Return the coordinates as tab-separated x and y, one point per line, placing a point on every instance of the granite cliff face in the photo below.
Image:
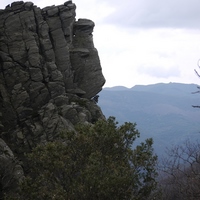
49	71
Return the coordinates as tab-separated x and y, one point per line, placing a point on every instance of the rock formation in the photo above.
49	71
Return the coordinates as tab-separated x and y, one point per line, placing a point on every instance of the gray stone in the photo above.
53	11
67	3
18	5
28	5
77	91
84	26
56	89
71	6
56	75
83	52
36	74
61	100
11	172
5	57
49	71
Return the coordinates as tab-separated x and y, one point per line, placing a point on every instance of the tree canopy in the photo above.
97	161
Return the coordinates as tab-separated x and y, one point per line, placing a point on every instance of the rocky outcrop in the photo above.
11	171
49	71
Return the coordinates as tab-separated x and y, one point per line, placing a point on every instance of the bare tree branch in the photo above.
181	179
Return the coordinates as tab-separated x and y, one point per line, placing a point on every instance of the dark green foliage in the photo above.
95	162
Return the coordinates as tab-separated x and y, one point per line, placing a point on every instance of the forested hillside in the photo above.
161	111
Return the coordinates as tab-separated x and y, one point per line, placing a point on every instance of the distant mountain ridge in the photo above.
162	111
116	88
159	88
170	88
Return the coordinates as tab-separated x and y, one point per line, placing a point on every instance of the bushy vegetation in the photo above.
94	162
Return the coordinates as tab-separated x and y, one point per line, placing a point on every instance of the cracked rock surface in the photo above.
49	71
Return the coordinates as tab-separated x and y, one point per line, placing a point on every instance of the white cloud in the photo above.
151	56
159	71
156	13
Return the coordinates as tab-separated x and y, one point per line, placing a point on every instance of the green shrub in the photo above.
95	162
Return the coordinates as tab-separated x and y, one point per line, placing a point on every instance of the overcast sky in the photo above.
142	42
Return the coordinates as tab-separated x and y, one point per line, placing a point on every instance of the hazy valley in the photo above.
161	111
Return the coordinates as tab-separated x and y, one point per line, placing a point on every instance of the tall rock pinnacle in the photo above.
49	71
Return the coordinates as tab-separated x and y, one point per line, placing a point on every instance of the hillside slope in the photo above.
161	111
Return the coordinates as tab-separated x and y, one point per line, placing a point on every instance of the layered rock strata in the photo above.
49	71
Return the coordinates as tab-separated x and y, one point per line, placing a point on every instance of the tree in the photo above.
182	172
198	87
94	162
